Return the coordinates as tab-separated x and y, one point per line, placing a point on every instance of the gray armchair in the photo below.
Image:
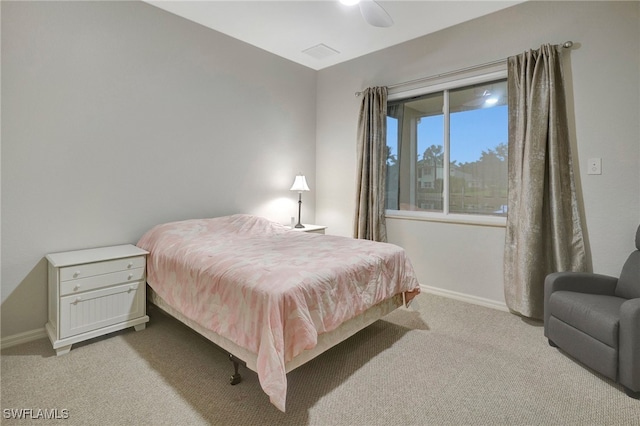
596	319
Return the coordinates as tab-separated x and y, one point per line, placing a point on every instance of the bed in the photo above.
269	296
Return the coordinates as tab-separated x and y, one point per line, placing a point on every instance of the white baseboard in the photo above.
20	338
488	303
29	336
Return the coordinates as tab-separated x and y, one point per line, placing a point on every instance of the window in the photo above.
447	151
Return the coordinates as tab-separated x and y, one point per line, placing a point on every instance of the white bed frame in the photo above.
325	340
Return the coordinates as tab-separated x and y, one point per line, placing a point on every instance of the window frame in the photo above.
445	215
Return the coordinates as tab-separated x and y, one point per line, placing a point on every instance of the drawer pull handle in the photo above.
76	274
77	287
78	300
130	276
129	265
132	288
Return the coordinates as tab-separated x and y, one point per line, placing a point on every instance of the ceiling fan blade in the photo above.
375	14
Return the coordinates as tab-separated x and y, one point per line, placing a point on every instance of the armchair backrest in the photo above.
628	285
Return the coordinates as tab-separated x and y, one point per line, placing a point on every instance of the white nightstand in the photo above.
315	229
94	292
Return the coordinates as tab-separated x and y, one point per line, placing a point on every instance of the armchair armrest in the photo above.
629	345
580	282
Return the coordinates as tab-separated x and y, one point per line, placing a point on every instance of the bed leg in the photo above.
236	378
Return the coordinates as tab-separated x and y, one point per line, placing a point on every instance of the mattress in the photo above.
267	289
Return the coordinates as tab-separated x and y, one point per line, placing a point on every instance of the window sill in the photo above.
463	219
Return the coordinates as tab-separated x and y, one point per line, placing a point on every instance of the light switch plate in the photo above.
595	166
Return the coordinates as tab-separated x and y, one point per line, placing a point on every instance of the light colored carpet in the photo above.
445	363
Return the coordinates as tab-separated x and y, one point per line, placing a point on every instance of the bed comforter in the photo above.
269	289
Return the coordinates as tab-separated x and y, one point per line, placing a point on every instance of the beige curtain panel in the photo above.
544	227
369	220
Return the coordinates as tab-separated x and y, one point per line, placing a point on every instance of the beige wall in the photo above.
117	116
604	91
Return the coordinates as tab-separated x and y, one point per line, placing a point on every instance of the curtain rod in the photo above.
566	45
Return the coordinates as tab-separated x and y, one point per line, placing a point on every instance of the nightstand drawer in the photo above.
101	308
316	231
91	269
99	281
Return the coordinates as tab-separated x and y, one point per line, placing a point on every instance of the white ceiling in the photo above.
288	27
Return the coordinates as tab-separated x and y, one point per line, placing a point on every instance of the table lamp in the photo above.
300	184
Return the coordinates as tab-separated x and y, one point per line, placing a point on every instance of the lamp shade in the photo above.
300	184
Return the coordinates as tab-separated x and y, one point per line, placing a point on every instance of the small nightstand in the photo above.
315	229
94	292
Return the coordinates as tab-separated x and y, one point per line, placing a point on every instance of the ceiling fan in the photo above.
485	96
372	12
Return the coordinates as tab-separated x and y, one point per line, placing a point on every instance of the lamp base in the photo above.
299	224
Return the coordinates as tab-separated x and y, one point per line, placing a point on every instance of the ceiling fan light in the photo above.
349	2
375	14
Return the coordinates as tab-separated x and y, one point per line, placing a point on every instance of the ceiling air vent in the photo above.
320	51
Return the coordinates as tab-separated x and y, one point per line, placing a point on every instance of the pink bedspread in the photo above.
267	288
